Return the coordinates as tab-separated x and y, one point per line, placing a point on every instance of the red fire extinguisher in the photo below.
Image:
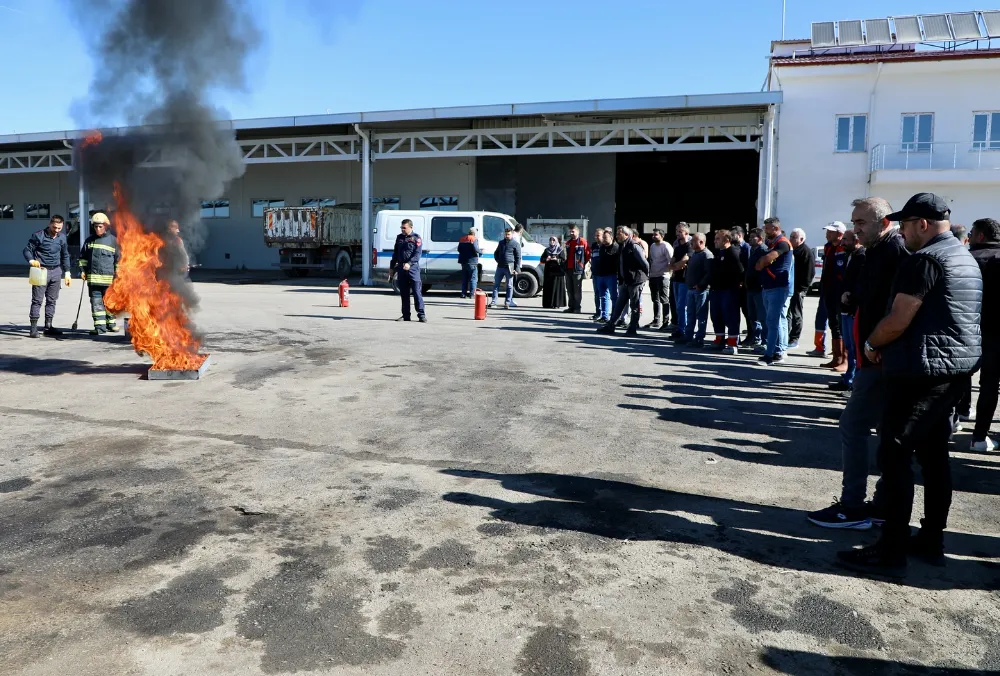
345	294
480	304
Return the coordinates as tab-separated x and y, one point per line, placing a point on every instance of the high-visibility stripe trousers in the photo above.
102	318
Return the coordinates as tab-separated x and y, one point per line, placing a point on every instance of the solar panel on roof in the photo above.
992	21
878	32
850	33
823	34
966	26
907	29
936	28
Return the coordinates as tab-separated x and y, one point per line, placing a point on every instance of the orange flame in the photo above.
92	138
158	319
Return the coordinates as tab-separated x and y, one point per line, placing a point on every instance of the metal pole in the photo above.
84	212
783	5
366	206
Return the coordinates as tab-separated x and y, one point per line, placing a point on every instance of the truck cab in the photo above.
440	232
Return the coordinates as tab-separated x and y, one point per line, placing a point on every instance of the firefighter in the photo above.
405	265
98	265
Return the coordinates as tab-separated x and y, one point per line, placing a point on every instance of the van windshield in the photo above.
493	227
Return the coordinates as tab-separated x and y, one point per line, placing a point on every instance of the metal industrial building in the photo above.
703	159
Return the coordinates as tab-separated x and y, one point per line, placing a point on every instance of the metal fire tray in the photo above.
188	374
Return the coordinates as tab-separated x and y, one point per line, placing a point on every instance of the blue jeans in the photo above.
847	324
697	310
725	310
821	316
607	294
680	301
758	317
470	272
776	311
597	296
503	272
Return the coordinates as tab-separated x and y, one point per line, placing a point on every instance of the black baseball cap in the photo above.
925	205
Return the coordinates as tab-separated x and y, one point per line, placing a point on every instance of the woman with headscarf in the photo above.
554	288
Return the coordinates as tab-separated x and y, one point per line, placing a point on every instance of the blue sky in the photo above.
350	55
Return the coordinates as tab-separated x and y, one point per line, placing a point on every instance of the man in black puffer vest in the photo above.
928	344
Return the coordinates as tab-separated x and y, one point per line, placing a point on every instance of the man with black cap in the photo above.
927	345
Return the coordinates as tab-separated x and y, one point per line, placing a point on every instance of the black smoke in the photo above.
157	65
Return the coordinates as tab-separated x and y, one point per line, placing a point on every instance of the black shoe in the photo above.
631	332
927	546
422	319
696	344
609	329
620	324
97	332
765	361
838	515
569	310
876	558
403	319
33	332
656	325
779	358
51	330
601	320
840	386
875	512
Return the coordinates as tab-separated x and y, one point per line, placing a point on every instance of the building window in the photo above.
852	131
257	206
319	202
440	203
918	132
383	203
214	209
450	228
6	212
36	210
986	131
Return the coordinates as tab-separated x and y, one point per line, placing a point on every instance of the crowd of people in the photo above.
912	304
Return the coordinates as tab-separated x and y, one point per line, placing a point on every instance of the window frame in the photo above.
486	230
48	211
319	202
215	207
914	146
267	202
851	127
437	206
6	212
383	203
992	142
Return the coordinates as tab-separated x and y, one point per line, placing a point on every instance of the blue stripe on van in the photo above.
454	256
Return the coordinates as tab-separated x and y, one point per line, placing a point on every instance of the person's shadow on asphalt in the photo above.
772	536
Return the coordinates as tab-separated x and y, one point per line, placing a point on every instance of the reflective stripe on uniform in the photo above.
103	246
100	280
100	313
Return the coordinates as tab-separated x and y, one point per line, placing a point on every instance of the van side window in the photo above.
493	227
450	228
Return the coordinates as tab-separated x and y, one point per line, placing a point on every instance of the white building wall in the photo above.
54	188
815	184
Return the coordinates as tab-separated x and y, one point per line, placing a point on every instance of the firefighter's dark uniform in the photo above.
407	250
99	261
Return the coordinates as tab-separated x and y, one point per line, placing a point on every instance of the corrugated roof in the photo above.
875	57
581	107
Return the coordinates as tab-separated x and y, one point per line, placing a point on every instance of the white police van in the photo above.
440	232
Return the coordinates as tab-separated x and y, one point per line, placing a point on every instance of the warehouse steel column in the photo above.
765	190
366	206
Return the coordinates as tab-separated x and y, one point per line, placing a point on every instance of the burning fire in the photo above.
92	138
159	323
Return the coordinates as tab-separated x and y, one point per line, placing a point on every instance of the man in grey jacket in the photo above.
660	253
698	275
508	258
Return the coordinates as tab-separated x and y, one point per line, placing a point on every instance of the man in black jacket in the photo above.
633	271
884	251
48	249
508	258
927	346
848	304
805	272
724	294
985	248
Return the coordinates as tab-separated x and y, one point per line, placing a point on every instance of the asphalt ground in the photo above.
345	494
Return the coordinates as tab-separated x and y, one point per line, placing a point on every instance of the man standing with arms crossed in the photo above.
928	345
777	272
577	257
633	271
660	254
831	288
805	273
48	249
884	253
678	285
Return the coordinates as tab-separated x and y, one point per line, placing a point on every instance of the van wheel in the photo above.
342	264
525	285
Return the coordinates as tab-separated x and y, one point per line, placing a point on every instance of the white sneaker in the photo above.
983	446
730	349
